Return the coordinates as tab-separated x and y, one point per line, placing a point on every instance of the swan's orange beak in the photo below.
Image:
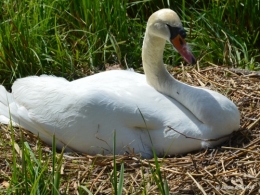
180	44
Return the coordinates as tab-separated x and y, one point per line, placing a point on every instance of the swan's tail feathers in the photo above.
6	106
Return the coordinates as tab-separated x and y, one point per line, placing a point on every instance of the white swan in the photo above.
83	114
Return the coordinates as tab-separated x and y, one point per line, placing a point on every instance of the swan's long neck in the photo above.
152	55
156	74
199	101
158	77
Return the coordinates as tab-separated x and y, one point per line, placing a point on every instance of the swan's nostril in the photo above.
181	42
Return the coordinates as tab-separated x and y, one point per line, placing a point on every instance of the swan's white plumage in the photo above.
83	114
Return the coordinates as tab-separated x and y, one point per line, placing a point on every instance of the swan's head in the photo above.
166	24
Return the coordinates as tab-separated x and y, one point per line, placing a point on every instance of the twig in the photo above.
194	163
198	185
209	79
248	73
101	172
242	149
206	140
253	124
248	95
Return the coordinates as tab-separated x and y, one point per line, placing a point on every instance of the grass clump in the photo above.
228	33
59	37
31	173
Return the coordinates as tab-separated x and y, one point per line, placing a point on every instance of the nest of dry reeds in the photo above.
232	168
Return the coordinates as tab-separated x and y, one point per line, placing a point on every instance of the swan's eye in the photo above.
182	32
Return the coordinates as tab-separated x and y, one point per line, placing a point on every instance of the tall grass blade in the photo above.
117	185
56	168
121	180
114	164
157	175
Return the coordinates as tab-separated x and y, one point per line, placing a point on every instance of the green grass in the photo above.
30	169
228	32
59	37
71	38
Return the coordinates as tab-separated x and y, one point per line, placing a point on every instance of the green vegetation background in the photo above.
69	38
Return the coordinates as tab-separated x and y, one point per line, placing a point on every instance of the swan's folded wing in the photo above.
46	98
